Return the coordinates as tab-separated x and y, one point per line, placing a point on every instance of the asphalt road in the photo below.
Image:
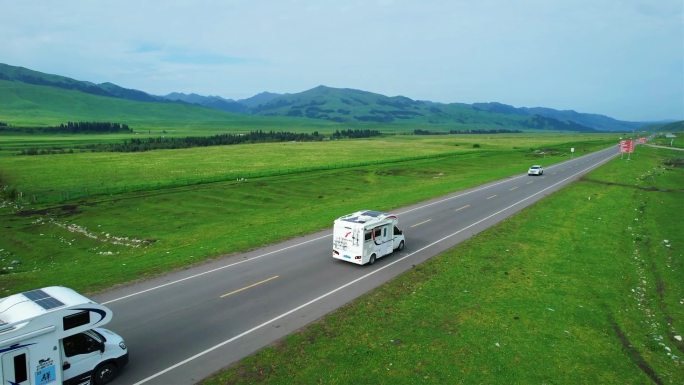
182	327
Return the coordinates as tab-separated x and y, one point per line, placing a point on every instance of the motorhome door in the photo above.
385	239
15	369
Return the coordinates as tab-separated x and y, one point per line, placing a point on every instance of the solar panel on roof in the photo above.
43	299
373	214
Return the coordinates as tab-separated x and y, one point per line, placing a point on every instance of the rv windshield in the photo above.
83	343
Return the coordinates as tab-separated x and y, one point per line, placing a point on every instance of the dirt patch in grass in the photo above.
644	188
634	354
59	211
676	162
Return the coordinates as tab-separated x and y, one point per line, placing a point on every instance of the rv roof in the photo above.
363	216
23	306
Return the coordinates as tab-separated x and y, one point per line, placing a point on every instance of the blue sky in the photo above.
622	58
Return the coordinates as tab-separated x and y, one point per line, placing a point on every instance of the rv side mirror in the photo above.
66	365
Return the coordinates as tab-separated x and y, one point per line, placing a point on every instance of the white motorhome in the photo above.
364	236
53	336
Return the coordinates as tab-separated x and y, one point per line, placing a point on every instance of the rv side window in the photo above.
368	236
76	320
377	232
20	370
384	231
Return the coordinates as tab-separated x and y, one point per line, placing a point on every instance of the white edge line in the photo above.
209	350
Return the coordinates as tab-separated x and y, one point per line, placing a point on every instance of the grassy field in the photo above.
677	142
584	287
56	178
143	233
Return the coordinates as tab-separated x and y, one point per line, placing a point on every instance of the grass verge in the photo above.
583	287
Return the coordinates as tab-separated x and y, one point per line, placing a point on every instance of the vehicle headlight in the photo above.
122	345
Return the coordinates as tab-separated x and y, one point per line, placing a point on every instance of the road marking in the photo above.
250	286
461	208
331	292
513	188
577	161
215	270
530	182
493	196
421	223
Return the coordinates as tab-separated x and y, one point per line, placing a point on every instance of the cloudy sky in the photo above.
622	58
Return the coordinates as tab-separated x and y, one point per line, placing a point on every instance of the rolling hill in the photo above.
672	127
23	104
349	105
334	105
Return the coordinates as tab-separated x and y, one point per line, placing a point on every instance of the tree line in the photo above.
70	128
355	134
163	143
462	132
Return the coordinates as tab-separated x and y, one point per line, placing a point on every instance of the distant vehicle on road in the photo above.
535	170
364	236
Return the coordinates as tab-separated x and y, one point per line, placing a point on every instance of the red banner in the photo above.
627	146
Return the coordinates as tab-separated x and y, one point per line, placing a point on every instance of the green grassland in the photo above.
52	178
165	226
584	287
677	142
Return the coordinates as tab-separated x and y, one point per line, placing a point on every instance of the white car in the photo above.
535	170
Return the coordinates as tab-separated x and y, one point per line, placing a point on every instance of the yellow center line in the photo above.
514	187
250	286
421	223
491	197
461	208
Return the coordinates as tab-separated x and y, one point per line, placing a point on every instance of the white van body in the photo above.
364	236
53	336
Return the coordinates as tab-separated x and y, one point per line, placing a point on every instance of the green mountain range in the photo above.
334	105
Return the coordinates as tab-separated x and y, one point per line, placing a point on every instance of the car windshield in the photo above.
535	167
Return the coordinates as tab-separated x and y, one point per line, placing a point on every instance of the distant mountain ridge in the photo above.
350	105
215	102
12	73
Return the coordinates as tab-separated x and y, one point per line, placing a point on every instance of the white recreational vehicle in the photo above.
364	236
53	336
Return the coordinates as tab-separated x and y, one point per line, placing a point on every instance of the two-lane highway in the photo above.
182	327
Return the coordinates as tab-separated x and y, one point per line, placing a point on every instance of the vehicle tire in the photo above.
401	246
372	259
104	373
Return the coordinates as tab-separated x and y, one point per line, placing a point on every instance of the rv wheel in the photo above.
372	259
401	246
104	373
